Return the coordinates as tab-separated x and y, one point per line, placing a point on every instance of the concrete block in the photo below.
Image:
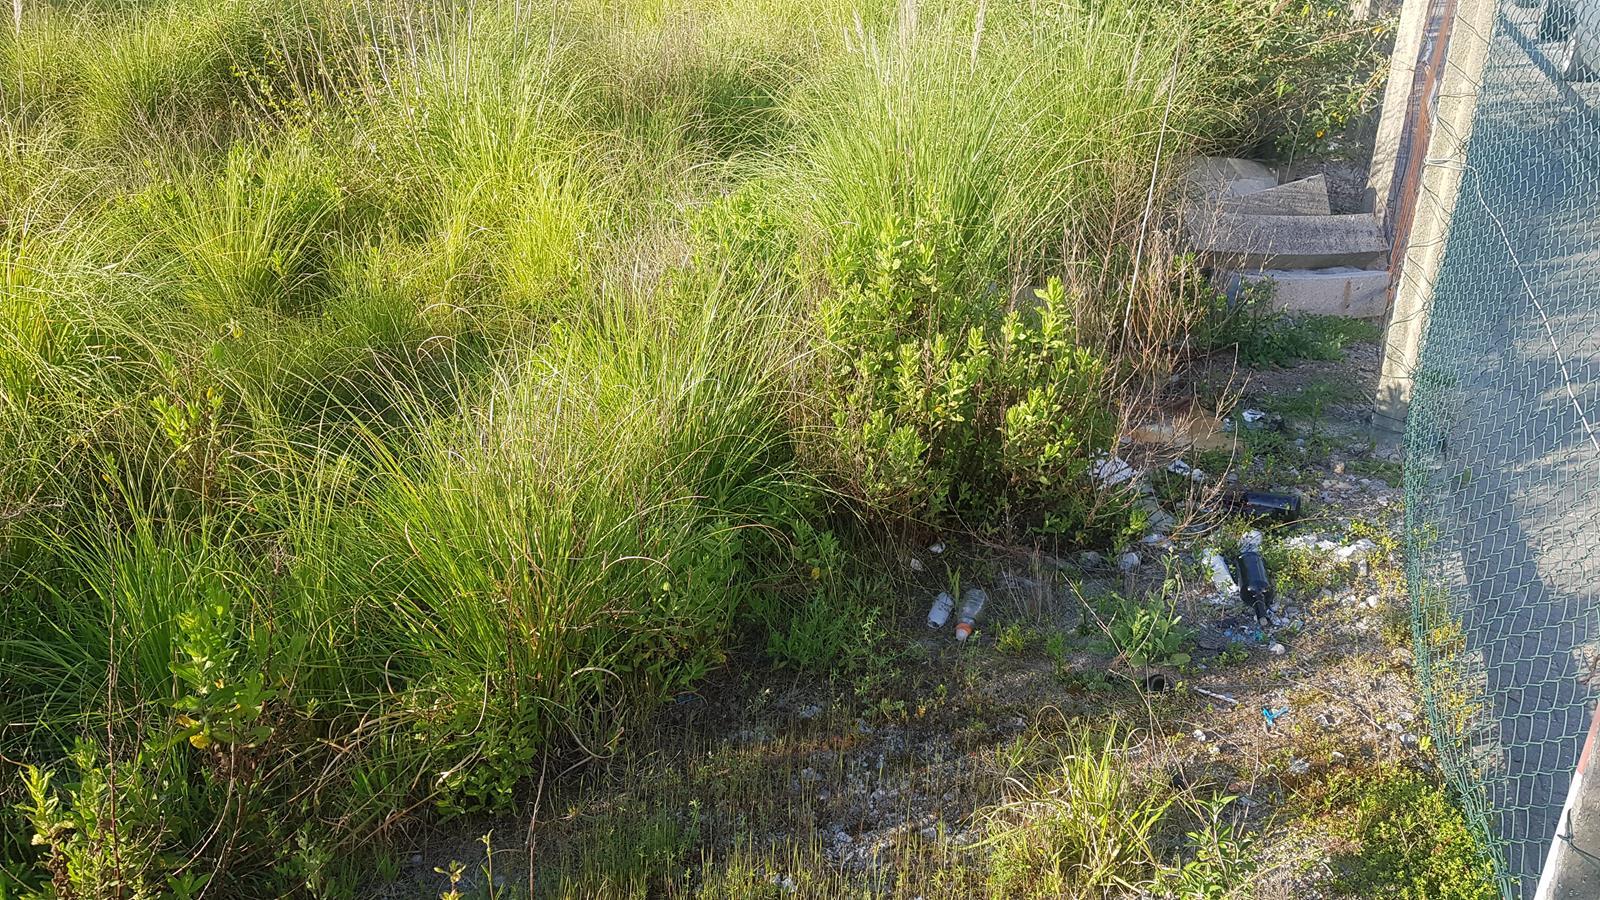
1306	197
1215	177
1251	243
1343	291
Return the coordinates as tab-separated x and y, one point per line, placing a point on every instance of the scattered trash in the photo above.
1261	420
1359	550
972	602
1273	715
1179	467
1216	696
1255	587
1221	578
1336	757
1311	542
916	564
936	548
1277	649
1299	767
1156	683
939	612
1201	736
1111	471
1283	507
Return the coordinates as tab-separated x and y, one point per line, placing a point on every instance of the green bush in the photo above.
1285	77
944	404
1404	838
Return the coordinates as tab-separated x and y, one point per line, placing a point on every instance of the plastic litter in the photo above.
1111	471
972	603
1156	683
1221	578
939	612
1283	507
1216	696
1255	587
1179	467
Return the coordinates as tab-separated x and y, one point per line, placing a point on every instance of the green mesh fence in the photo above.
1502	450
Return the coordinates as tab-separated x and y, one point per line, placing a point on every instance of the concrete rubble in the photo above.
1286	239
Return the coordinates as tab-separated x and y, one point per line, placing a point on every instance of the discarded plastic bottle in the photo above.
1221	578
1255	587
1283	507
972	601
939	612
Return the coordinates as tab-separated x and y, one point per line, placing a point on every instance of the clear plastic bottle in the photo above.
939	612
1221	578
972	601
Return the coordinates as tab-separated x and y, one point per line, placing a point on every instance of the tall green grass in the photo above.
395	396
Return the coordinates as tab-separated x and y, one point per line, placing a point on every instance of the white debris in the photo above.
1277	649
936	548
1358	550
1252	416
1216	696
1112	470
916	564
1221	578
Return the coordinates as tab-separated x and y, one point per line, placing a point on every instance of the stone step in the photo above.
1246	243
1341	291
1215	177
1306	197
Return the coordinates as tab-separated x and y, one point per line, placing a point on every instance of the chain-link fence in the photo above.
1503	444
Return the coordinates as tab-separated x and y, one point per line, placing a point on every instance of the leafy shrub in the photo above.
1142	633
1405	838
943	402
1284	77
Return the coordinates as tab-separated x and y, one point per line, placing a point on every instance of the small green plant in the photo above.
1222	860
103	835
1265	336
1406	839
1013	640
1083	829
1145	633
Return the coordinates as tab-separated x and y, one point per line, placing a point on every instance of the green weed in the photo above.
1405	839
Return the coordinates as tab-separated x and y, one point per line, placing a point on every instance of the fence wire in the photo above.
1502	448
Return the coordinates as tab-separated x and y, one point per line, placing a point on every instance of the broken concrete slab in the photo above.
1341	291
1215	177
1248	243
1306	197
